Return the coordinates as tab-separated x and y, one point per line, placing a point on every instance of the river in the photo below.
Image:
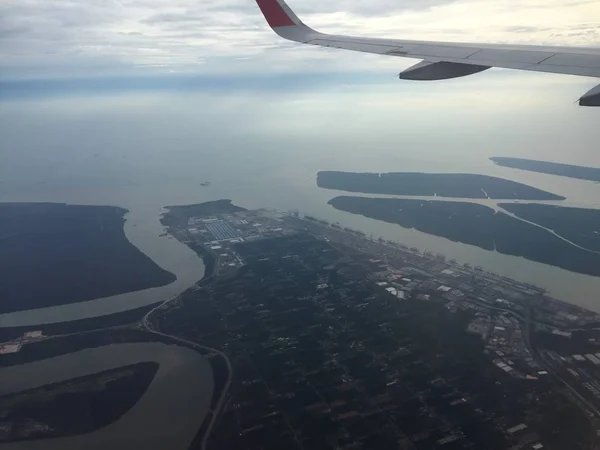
168	415
146	152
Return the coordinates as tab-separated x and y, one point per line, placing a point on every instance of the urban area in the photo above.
340	340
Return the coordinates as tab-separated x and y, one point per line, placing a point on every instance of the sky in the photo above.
219	61
74	39
224	51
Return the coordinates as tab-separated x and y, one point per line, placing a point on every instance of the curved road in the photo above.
166	416
215	412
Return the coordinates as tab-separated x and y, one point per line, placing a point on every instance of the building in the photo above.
9	348
592	359
33	334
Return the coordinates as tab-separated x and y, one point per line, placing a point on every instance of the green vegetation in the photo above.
459	185
477	225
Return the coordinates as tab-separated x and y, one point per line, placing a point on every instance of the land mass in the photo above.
563	170
55	254
177	218
175	214
336	340
458	185
76	406
26	415
324	357
579	225
477	225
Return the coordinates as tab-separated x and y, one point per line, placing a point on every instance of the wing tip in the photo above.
591	97
277	13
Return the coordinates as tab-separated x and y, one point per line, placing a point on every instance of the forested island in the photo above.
563	170
54	254
458	185
477	225
76	406
579	225
175	214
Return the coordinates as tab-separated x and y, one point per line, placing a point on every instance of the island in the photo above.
55	254
75	406
552	168
578	225
61	390
458	185
476	225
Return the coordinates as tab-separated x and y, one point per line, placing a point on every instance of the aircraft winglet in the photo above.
278	13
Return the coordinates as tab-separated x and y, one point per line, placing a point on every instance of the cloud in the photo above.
68	38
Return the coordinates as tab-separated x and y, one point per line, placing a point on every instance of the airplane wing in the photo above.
443	60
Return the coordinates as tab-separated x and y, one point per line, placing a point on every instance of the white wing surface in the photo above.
443	60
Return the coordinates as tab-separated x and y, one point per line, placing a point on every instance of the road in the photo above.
208	351
590	411
528	320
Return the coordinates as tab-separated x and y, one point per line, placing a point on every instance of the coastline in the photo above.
143	229
86	341
488	228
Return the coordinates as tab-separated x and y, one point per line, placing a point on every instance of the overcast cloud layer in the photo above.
69	38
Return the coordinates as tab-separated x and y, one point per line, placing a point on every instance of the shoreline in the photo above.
489	229
58	254
459	265
143	230
462	185
218	362
586	173
143	416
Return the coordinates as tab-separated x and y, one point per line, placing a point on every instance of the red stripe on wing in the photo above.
274	13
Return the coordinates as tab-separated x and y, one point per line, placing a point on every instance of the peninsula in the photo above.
74	406
458	185
477	225
56	254
563	170
579	225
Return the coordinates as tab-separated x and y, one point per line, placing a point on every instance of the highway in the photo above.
207	351
589	408
590	411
